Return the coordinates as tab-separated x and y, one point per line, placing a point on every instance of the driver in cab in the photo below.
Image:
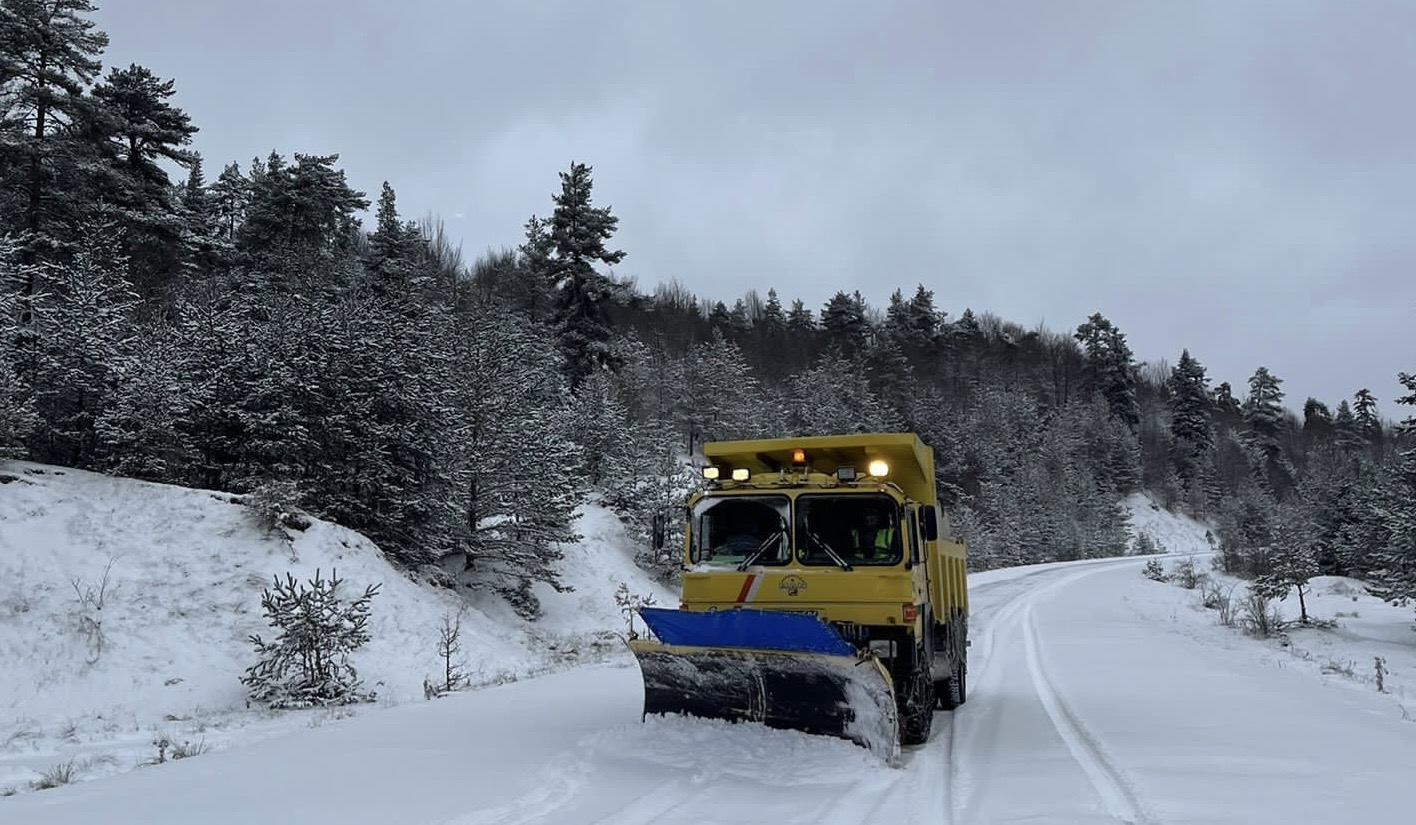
874	539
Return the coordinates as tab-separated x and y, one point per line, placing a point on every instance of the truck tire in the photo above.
917	712
953	691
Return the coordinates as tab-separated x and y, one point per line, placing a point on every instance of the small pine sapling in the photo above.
307	664
1155	571
449	645
629	604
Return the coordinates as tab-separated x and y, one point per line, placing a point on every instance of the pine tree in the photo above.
723	398
139	429
800	320
308	664
532	288
17	415
1109	366
834	396
773	321
1394	576
230	196
49	51
844	320
1369	426
139	128
301	219
1265	424
1190	428
1345	430
83	320
515	465
1294	557
203	235
1317	423
397	251
578	234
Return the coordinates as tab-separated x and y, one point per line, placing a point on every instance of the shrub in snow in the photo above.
308	663
1261	617
1186	575
629	604
276	504
1154	571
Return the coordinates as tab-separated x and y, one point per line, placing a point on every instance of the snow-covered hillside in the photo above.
126	607
1171	532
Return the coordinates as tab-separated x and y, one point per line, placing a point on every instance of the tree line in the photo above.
249	334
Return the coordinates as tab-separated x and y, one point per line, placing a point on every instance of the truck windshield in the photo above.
733	530
864	530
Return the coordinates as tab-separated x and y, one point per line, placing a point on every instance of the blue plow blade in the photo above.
752	629
784	670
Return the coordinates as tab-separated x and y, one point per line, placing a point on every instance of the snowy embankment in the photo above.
1169	532
126	608
1353	640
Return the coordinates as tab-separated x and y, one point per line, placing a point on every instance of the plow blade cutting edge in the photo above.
784	670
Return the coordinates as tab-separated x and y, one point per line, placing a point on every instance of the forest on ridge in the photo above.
241	329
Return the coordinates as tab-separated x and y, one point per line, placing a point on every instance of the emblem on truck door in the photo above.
793	585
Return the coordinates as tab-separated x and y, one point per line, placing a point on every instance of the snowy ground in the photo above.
1096	695
1349	632
95	689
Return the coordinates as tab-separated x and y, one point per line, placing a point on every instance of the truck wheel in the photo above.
953	691
917	718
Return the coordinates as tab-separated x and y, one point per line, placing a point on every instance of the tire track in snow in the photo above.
652	806
1117	791
976	723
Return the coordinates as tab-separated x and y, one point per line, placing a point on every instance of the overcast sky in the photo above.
1236	177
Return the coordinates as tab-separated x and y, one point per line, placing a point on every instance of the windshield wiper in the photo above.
830	551
761	548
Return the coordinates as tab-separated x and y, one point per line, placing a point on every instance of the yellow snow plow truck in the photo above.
821	593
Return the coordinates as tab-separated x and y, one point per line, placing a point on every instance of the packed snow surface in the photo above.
1096	696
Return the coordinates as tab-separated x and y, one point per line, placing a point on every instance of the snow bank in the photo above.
126	609
1352	630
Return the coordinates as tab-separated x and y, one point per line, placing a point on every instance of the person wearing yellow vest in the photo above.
873	538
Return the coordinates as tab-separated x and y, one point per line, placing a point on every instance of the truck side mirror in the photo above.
929	523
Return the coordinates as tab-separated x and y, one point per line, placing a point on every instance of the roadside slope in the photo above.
97	669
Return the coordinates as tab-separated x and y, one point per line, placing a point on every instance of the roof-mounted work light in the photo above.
879	469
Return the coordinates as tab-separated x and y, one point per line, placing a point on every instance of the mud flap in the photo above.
789	671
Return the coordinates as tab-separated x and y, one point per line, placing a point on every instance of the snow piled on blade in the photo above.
831	695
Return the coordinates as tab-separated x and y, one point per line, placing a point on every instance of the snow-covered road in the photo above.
1095	696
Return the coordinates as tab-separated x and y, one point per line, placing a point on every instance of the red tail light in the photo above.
911	613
